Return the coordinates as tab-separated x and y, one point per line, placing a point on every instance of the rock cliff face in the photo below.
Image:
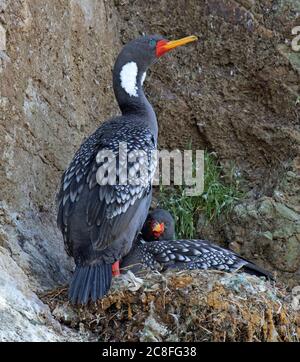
56	59
236	92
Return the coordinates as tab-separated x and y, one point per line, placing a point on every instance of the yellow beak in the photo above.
177	43
159	228
164	46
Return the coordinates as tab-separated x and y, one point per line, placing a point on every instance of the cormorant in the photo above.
101	207
156	249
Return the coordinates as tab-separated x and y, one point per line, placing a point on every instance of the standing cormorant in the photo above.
100	210
156	249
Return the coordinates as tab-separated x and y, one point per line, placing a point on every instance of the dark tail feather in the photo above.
91	281
256	270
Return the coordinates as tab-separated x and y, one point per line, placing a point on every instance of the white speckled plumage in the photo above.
182	254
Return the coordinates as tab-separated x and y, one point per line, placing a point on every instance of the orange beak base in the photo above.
164	46
158	229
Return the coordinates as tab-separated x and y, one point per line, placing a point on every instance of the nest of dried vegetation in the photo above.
184	306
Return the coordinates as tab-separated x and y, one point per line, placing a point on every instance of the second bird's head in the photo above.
136	57
159	225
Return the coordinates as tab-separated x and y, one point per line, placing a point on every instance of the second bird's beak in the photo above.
158	228
164	46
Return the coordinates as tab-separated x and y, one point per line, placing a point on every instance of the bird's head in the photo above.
159	225
136	57
145	50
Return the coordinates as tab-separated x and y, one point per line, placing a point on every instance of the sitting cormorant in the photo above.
156	249
100	210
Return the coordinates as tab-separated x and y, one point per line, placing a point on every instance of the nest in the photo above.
184	306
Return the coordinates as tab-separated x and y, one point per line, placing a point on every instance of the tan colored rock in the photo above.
2	38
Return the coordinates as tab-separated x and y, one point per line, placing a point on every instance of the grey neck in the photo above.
135	105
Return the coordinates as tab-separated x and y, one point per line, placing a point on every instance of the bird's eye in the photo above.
152	42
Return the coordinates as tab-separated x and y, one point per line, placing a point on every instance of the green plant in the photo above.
181	207
218	197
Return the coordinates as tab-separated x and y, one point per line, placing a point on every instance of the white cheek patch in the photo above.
128	77
143	78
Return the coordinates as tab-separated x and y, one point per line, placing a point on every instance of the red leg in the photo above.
116	269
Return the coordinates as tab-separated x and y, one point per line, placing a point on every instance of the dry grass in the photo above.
185	306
